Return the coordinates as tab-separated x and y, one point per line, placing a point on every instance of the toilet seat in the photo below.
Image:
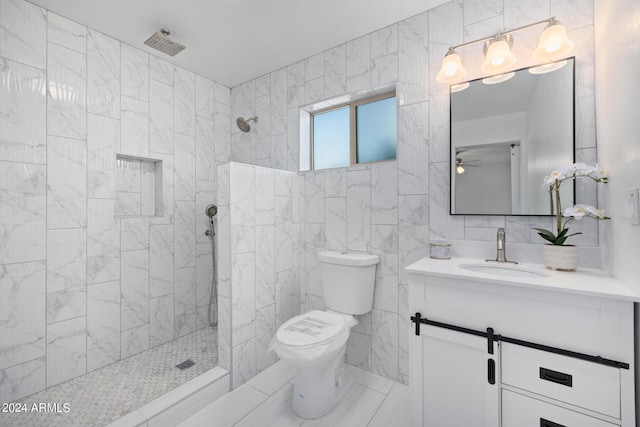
312	329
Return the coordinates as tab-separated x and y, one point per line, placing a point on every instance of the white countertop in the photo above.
585	281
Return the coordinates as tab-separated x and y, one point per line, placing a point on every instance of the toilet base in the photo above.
318	388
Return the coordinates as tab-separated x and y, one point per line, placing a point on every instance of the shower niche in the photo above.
138	187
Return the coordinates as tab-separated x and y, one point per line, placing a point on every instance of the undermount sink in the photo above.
510	270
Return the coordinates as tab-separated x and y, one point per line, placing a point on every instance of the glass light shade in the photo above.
498	79
499	57
459	87
451	69
459	169
553	42
547	68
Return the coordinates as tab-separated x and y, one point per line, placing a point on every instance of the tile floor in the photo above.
101	396
265	400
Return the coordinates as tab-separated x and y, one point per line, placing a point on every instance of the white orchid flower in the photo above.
577	211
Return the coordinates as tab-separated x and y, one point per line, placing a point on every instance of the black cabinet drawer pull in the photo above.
491	371
556	377
547	423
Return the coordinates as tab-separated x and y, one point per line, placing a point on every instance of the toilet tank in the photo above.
348	279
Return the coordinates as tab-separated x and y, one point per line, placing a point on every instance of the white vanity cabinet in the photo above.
494	350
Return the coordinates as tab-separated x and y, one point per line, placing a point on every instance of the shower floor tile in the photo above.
102	396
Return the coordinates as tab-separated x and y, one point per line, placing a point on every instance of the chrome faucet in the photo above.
501	255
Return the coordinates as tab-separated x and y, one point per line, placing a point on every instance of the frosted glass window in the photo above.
376	131
331	139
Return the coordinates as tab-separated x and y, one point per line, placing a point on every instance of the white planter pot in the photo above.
563	258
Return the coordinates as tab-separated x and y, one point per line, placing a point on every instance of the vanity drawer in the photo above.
523	411
578	382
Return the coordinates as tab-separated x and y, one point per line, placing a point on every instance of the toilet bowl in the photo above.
315	342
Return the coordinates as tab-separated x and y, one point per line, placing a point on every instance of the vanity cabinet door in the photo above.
459	379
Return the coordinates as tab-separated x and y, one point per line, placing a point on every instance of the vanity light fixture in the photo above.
452	69
459	167
498	55
553	43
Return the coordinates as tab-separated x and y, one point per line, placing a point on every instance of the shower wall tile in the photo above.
66	274
243	296
160	117
185	301
103	324
135	73
22	326
134	233
244	362
23	30
66	183
168	180
384	347
66	350
413	59
264	196
313	279
359	64
284	296
336	223
66	33
335	71
184	93
22	380
23	225
314	182
283	183
222	140
295	85
278	108
185	239
161	323
184	166
413	149
135	127
242	208
384	196
134	341
224	332
103	241
263	130
103	75
223	245
161	244
66	92
134	290
160	70
205	98
23	112
205	160
204	274
358	210
265	331
404	329
103	141
283	233
205	195
265	266
128	204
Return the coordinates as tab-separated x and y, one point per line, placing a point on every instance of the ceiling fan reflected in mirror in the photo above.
460	164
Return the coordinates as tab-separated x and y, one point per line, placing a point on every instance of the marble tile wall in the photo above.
394	209
82	288
257	269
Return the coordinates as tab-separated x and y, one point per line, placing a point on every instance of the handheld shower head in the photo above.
243	124
211	211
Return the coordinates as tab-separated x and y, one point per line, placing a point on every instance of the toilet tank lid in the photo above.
348	258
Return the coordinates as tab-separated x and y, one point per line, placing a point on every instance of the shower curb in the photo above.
180	403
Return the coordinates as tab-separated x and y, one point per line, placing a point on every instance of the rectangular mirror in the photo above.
507	133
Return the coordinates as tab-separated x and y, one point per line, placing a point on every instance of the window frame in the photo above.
353	137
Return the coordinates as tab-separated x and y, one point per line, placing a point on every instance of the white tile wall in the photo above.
85	288
395	208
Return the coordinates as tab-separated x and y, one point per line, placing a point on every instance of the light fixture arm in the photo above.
503	33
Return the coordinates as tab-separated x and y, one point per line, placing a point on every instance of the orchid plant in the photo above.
577	212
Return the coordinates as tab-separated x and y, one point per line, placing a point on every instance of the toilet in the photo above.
315	342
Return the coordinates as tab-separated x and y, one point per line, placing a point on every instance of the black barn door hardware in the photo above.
492	337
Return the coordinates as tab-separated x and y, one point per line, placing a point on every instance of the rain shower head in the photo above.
161	41
243	124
